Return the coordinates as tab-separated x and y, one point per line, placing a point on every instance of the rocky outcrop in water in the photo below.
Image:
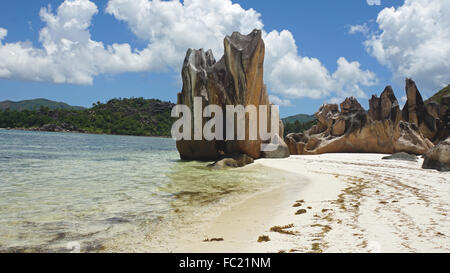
236	79
438	158
232	161
380	130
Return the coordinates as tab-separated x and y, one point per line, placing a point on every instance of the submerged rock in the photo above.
233	161
401	156
438	158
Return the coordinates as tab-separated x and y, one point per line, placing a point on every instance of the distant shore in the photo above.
74	132
338	203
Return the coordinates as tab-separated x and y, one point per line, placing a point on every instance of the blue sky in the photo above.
302	70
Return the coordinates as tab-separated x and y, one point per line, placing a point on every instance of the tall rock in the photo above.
236	79
385	107
415	112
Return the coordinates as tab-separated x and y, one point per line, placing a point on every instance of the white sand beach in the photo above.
353	203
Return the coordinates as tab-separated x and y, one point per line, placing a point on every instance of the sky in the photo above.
82	51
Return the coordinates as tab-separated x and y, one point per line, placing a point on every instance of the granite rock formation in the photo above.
441	112
417	113
438	158
236	79
380	130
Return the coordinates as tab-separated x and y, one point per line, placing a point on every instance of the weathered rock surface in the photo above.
353	130
415	112
232	161
438	158
236	79
385	107
401	156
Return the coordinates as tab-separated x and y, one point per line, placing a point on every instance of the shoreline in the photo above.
354	203
242	224
76	132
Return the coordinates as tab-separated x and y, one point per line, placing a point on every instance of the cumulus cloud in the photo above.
374	2
349	78
281	102
364	29
3	33
69	55
414	41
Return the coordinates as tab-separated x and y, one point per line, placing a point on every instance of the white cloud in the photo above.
171	27
364	29
69	55
374	2
414	41
349	78
295	76
3	33
281	102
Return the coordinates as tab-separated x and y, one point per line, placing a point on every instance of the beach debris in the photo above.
213	240
282	251
309	207
316	247
263	238
296	205
282	229
302	211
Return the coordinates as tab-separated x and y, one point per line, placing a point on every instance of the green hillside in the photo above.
135	116
34	105
438	96
302	118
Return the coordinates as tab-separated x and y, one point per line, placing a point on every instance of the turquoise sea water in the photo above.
107	193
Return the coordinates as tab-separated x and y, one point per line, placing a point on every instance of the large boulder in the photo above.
279	148
438	158
236	79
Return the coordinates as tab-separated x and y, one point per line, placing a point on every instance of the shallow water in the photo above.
107	193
